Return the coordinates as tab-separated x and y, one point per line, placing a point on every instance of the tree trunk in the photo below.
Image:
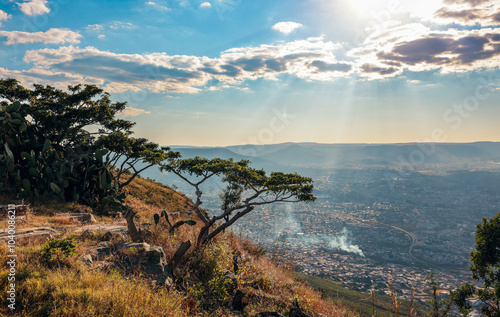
135	235
183	248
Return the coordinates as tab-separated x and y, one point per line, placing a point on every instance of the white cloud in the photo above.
416	47
34	7
484	13
310	59
101	36
385	53
132	112
157	5
47	77
4	16
51	36
120	25
205	5
95	27
286	27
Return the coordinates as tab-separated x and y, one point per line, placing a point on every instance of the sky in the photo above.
227	72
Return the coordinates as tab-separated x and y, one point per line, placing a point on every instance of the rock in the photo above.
151	260
29	234
81	217
102	251
97	227
239	301
110	235
234	280
155	261
104	265
133	249
87	259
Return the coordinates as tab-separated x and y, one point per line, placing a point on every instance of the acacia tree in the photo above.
131	155
247	188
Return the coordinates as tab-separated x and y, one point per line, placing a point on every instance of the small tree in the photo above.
438	307
459	298
127	153
247	188
486	268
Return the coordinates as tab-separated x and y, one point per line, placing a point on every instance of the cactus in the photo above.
30	166
171	228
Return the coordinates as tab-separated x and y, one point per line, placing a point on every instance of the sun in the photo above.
371	7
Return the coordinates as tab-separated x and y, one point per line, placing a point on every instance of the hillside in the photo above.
96	279
365	304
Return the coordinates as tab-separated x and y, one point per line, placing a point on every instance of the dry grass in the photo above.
74	289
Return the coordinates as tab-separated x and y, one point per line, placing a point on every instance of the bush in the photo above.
56	251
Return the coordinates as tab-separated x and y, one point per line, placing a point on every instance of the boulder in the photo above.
239	301
80	217
151	260
110	235
87	259
103	251
234	280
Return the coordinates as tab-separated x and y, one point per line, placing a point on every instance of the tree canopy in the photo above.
247	188
68	144
485	267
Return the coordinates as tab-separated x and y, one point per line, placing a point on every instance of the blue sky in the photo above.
225	72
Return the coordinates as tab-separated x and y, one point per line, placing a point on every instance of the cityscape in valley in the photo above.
375	218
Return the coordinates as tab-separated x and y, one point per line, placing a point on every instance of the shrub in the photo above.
55	251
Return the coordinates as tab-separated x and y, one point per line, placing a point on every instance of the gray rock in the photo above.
151	260
81	217
133	249
104	265
110	235
87	259
234	280
101	251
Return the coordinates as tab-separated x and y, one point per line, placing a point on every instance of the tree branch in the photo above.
237	216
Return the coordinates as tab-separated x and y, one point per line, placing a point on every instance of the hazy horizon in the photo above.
320	143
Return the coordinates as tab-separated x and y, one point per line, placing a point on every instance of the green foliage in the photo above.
171	228
382	304
212	293
215	287
246	188
126	152
486	268
438	307
57	250
49	152
459	297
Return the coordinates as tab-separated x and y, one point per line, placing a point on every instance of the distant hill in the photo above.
224	153
337	155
